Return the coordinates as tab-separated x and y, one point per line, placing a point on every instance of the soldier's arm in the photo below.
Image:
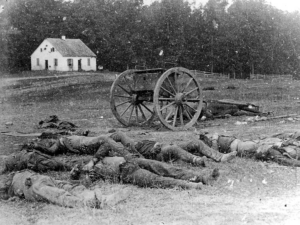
52	150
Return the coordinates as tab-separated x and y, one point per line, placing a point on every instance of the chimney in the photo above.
63	37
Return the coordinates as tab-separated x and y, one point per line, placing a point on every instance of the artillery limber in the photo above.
173	95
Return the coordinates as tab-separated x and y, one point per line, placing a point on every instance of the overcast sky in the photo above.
289	5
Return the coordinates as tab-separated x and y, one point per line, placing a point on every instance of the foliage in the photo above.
247	36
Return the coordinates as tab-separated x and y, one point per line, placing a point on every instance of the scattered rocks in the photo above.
9	124
240	123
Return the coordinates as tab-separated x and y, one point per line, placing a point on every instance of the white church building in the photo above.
63	55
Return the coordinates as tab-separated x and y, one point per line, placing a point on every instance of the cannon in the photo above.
174	96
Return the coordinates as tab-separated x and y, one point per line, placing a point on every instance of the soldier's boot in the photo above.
210	179
228	157
199	161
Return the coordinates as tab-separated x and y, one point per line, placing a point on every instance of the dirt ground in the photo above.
248	191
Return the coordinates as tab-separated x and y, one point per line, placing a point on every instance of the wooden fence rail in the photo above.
205	74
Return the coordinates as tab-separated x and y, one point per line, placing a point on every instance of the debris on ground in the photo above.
240	123
9	124
54	122
231	86
54	128
208	88
289	117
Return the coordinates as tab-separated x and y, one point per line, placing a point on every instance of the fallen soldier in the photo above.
158	175
282	148
143	172
54	122
146	173
33	160
35	187
182	151
148	149
222	108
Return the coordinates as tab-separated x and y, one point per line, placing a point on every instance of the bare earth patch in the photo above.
248	191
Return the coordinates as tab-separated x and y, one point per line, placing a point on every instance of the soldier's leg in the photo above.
90	196
132	173
167	170
111	148
174	152
66	194
280	158
126	141
201	148
108	148
123	138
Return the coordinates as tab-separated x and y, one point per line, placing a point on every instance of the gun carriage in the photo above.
173	95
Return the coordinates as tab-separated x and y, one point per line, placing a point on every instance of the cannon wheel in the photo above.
178	99
125	103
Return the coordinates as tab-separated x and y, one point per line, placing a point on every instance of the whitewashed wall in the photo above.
62	65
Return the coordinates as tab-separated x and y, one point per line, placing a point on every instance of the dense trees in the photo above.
248	36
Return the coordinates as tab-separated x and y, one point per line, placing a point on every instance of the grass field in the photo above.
248	191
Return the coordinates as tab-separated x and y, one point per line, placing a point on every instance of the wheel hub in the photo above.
134	99
180	98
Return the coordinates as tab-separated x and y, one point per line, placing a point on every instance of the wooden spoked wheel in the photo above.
178	99
131	107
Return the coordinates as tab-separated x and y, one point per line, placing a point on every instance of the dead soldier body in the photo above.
90	145
182	151
151	169
282	148
35	187
143	172
33	160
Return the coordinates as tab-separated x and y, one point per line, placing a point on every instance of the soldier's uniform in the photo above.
150	173
36	187
72	144
128	167
183	151
132	173
282	148
90	145
33	160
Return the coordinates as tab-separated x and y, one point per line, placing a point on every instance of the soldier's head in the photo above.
5	183
203	136
156	148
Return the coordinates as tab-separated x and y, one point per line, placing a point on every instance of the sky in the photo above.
288	5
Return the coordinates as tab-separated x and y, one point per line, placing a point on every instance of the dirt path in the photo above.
5	80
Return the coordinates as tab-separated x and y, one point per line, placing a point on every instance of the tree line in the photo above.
247	36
